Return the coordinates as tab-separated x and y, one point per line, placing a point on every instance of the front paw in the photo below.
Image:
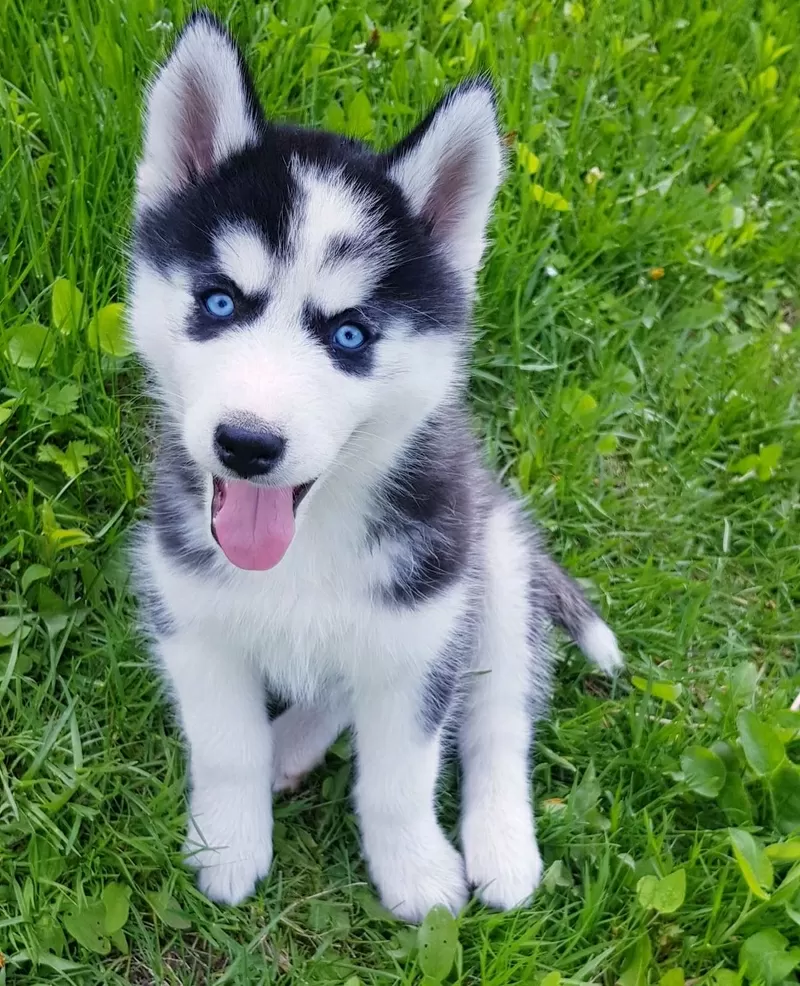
229	841
501	854
416	872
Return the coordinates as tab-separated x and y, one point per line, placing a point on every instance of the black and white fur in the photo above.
414	586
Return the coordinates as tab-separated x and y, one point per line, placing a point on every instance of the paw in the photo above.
300	739
283	782
599	644
288	774
414	874
227	878
296	748
229	841
501	855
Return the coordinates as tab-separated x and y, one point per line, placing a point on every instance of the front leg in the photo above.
412	863
221	703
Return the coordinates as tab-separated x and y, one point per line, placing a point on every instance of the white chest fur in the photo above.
320	615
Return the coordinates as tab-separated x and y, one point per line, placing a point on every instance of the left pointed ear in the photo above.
449	169
201	110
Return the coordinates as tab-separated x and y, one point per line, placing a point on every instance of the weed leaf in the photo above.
116	900
761	744
703	771
107	330
765	958
437	941
66	306
30	345
753	863
87	926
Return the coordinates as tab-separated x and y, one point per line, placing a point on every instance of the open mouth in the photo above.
254	525
220	487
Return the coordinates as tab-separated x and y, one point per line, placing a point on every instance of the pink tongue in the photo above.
255	524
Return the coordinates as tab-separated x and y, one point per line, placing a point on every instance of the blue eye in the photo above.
219	304
349	337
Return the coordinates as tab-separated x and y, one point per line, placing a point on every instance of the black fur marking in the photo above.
254	190
428	512
178	506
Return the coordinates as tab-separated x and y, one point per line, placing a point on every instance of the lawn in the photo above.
636	366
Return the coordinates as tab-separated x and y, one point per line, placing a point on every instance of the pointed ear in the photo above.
201	109
450	168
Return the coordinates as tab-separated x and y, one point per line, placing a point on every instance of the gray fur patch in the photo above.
177	505
445	678
428	511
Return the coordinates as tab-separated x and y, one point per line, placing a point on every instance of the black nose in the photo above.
248	451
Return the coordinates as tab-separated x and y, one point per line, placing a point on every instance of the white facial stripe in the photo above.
314	273
331	213
244	258
346	286
331	210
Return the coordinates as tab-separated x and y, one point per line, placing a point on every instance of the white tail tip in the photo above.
599	644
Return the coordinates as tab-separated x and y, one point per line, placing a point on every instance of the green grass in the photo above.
652	421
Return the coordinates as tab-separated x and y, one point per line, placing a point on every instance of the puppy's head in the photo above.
292	290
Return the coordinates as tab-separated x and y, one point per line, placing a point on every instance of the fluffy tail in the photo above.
568	607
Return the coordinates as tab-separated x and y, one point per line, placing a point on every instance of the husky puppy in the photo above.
322	526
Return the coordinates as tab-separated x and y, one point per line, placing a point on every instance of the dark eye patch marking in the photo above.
202	326
321	327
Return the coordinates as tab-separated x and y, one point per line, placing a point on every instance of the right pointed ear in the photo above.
449	169
201	109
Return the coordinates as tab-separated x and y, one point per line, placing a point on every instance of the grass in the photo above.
636	371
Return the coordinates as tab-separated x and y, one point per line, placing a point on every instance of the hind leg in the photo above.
301	737
497	826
